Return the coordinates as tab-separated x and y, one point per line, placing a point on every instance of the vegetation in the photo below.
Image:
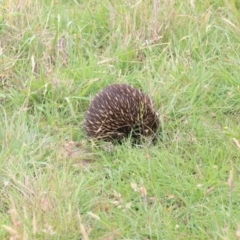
55	56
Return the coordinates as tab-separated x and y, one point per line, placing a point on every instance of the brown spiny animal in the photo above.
119	111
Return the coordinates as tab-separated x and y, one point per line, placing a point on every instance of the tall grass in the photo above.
55	56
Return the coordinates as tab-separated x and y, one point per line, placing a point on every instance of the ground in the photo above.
55	183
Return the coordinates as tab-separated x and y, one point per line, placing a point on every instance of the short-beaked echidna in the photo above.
119	111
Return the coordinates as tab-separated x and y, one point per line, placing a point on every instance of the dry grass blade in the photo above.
237	143
231	181
15	229
82	228
55	56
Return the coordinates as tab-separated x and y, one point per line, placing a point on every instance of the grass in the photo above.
55	56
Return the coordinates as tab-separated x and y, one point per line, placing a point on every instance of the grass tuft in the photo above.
55	56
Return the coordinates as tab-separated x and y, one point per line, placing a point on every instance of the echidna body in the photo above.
119	111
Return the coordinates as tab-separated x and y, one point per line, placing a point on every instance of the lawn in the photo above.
55	183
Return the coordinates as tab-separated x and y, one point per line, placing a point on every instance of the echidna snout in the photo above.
119	111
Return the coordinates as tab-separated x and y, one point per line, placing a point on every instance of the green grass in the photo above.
55	56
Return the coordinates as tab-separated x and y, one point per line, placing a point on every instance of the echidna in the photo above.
119	111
